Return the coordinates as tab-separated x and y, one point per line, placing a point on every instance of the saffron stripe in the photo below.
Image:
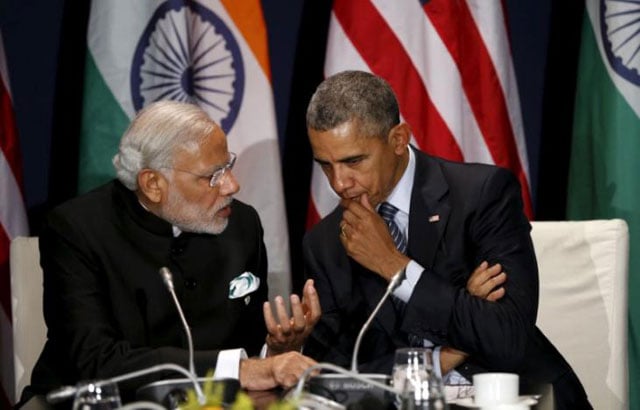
249	19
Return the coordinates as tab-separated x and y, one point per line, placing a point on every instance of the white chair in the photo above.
29	329
583	302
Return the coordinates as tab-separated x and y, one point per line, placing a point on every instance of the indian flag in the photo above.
605	165
209	52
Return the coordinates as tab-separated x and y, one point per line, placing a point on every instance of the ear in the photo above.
399	137
152	185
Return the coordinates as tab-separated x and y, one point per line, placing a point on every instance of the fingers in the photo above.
311	303
486	281
357	210
498	279
269	320
283	316
297	320
364	201
289	367
496	294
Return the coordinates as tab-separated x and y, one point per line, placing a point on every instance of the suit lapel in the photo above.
429	211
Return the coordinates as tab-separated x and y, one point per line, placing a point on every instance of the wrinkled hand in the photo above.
366	238
281	370
486	282
289	333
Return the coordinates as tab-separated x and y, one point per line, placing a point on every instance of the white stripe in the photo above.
341	54
629	91
113	49
490	21
255	139
438	72
7	378
12	213
323	196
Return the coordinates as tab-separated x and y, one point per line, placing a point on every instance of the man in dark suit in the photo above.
442	220
106	307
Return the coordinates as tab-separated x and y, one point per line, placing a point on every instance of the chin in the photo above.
219	225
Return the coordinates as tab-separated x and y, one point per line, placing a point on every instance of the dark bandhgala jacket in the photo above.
106	307
461	214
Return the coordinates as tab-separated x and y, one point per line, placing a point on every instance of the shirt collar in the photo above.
400	197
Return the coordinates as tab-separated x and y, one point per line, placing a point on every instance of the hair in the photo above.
156	134
354	95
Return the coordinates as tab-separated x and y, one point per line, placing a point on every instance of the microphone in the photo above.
366	382
352	385
167	278
395	281
65	392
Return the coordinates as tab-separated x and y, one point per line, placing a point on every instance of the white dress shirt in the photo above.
400	197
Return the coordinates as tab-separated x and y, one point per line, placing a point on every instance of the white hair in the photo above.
154	136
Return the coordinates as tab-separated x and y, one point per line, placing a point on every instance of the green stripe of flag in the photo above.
604	171
103	122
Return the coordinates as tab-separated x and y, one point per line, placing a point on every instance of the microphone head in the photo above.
167	277
61	394
396	279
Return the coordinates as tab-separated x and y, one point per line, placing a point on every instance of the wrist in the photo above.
256	374
394	265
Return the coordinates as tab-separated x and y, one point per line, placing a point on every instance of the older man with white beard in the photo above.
106	307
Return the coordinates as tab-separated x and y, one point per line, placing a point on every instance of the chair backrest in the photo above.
29	329
583	302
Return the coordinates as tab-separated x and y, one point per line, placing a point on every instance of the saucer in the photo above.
469	403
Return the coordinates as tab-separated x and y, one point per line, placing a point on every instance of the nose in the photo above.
340	180
229	184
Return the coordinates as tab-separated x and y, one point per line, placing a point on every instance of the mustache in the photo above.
226	203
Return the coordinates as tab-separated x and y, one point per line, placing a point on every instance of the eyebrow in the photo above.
217	167
345	160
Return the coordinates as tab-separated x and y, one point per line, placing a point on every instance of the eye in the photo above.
354	161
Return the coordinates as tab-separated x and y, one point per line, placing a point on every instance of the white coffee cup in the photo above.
495	388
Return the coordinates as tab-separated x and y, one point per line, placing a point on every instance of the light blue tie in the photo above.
388	212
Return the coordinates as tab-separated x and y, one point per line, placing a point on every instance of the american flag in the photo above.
13	222
449	63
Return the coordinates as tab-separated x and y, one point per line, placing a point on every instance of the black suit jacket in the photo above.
461	214
105	305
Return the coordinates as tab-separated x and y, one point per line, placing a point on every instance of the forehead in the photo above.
344	141
211	150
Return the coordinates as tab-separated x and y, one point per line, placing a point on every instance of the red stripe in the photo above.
5	280
384	54
9	134
455	25
313	217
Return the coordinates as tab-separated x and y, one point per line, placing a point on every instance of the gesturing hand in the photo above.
289	333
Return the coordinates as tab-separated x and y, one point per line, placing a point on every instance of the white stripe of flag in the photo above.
407	44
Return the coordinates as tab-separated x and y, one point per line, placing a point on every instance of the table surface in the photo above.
262	399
